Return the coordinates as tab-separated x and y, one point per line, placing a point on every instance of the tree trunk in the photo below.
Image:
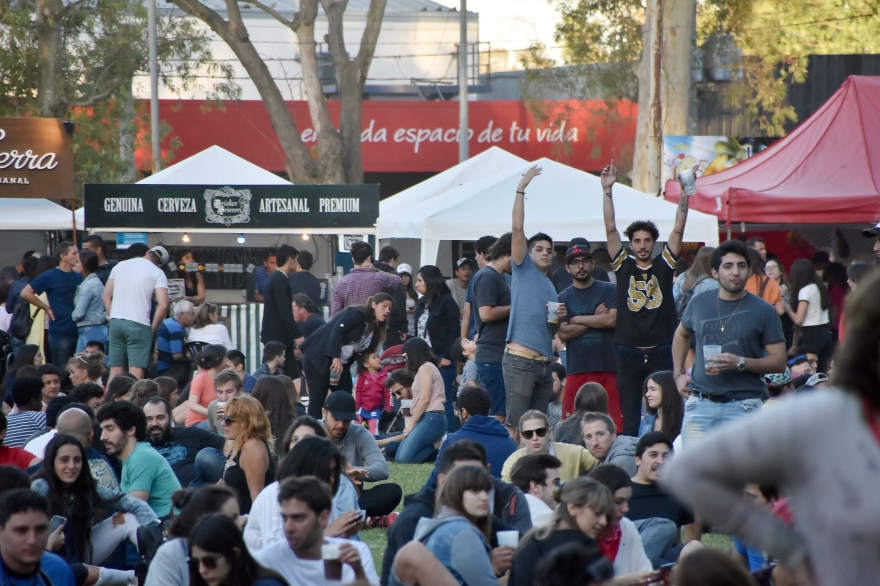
680	28
127	134
50	46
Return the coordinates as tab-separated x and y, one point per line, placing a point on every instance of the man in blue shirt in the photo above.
60	285
528	357
24	533
468	319
262	274
170	338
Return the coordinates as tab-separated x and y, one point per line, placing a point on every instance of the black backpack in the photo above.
22	321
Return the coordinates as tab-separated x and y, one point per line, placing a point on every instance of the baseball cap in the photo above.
779	379
462	261
578	250
819	377
404	268
872	232
341	406
161	253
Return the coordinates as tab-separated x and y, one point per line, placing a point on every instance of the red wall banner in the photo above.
416	136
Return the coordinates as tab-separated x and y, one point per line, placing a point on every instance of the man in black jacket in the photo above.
509	510
278	323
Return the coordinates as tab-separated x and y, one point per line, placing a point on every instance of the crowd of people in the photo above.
588	418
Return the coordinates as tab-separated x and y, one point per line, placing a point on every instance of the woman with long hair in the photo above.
697	279
412	298
838	288
250	464
310	456
209	362
358	328
93	529
761	285
142	391
273	395
294	392
206	328
461	530
303	427
590	398
827	465
193	281
664	408
438	322
219	557
27	355
427	421
170	564
89	312
620	541
773	269
86	367
580	517
808	309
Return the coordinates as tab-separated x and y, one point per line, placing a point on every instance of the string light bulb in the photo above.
241	239
185	237
305	236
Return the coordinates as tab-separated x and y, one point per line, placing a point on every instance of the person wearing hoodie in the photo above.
461	530
600	437
509	509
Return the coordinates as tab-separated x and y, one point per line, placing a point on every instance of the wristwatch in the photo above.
741	365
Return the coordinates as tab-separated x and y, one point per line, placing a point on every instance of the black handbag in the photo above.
20	327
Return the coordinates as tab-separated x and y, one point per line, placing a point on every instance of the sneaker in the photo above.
383	522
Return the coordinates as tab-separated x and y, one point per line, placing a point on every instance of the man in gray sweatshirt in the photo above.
365	459
601	439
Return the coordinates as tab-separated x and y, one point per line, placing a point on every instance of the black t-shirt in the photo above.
181	450
530	553
490	289
593	351
306	282
646	314
104	270
312	323
649	501
278	323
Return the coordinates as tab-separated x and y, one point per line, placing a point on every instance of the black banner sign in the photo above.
236	208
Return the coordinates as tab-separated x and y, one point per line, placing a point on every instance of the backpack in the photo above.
686	294
20	326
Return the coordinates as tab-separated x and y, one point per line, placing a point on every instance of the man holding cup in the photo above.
738	340
535	313
307	558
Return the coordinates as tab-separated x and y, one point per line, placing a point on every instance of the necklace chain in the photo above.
732	313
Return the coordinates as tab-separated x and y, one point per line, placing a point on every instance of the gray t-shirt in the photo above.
490	289
469	372
749	324
530	293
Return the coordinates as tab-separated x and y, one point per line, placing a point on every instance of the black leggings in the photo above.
381	499
317	375
819	339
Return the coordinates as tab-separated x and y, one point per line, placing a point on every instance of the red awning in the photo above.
827	171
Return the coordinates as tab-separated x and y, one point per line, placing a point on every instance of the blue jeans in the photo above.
658	537
91	333
209	467
492	376
529	385
701	415
62	348
447	373
419	444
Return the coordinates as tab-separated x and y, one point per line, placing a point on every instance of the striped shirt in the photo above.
22	425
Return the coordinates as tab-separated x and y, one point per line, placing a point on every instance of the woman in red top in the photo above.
201	390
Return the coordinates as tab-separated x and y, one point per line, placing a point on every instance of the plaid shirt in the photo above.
361	284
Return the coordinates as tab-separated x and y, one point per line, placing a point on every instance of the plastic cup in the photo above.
334	378
553	312
510	538
689	181
710	352
406	407
332	565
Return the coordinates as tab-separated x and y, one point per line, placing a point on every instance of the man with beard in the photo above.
180	446
730	385
588	332
658	516
647	320
145	474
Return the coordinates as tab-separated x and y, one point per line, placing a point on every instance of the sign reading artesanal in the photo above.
36	158
234	208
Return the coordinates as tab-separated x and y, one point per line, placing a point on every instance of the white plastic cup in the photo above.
709	352
689	181
406	407
332	565
553	312
334	378
510	538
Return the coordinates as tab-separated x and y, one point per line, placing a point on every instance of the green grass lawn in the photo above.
411	477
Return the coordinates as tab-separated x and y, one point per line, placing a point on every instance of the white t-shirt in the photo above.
297	572
816	316
133	283
541	513
37	446
631	556
212	334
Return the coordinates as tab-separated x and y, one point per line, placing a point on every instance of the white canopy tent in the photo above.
563	202
33	214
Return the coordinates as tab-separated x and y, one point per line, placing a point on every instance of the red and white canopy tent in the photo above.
827	171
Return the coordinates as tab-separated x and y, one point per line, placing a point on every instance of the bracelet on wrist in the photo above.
521	192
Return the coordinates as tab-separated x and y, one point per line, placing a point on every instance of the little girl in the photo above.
370	393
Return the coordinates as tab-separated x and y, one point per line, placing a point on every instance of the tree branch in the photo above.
60	14
292	24
370	37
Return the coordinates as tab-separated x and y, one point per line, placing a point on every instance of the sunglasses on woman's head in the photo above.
209	561
228	420
541	431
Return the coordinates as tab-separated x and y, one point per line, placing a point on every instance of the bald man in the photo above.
77	422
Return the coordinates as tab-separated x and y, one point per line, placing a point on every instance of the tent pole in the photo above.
73	218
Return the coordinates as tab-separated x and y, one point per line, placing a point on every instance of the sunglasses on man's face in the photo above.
228	420
541	432
209	561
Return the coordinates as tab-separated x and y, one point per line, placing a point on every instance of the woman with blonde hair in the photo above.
250	464
142	390
460	532
86	367
584	508
206	329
